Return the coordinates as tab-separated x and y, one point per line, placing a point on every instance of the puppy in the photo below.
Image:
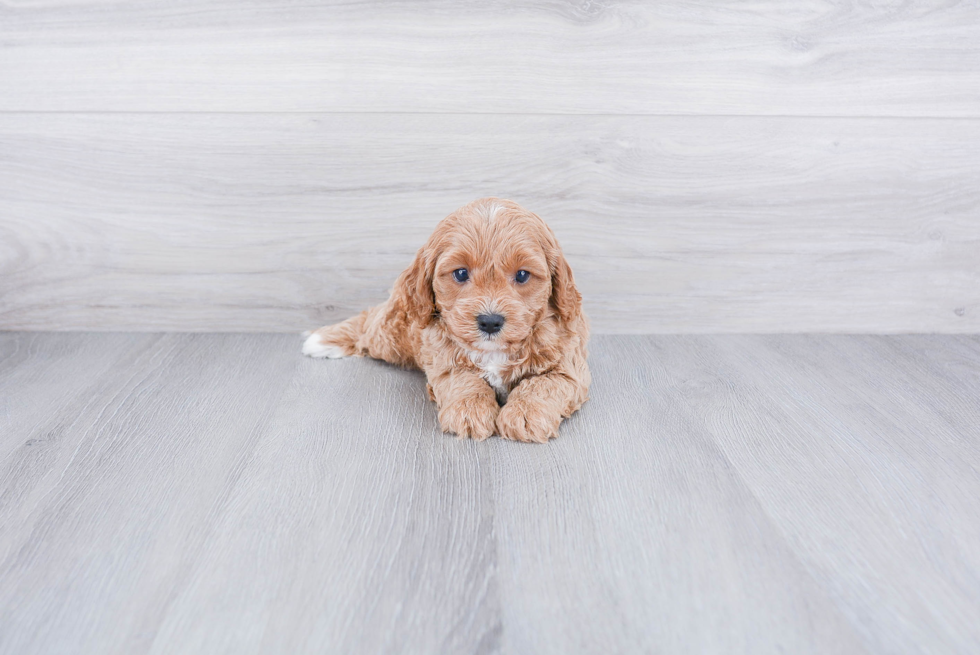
489	311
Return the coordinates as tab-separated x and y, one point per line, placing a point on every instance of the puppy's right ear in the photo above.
413	288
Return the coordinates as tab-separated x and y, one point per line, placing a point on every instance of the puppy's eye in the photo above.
461	275
522	277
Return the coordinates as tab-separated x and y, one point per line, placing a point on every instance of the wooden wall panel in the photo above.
810	57
672	224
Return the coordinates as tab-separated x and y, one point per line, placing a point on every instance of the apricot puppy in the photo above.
489	310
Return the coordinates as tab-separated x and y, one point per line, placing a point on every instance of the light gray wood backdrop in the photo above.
241	166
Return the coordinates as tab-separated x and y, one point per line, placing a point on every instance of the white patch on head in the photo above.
490	210
492	363
314	347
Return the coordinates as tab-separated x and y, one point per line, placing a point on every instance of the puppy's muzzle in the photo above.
490	324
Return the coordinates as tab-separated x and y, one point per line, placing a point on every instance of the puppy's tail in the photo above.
336	341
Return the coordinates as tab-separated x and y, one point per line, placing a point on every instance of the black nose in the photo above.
490	323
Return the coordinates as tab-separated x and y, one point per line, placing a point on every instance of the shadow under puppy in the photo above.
489	310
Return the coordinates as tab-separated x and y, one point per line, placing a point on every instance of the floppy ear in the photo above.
413	288
564	295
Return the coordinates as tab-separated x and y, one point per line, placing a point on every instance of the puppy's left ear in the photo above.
413	288
564	294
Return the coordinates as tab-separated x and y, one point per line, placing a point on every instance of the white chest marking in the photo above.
492	364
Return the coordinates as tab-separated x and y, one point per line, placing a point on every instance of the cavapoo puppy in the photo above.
489	310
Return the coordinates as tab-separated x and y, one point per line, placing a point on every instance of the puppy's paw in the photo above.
526	420
320	345
470	417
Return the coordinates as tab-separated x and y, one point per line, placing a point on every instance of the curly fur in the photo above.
519	383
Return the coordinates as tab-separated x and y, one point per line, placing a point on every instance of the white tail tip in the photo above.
314	347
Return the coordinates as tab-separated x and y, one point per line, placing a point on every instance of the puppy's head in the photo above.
491	270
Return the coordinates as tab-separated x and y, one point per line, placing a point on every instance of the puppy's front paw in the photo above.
470	417
522	419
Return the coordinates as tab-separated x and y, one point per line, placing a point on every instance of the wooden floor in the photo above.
208	493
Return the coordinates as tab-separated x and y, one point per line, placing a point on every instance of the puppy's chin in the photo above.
491	345
472	340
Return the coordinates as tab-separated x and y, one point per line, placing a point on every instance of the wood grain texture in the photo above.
632	533
718	494
137	473
672	224
809	424
811	57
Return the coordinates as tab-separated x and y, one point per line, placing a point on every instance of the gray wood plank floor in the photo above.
216	493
